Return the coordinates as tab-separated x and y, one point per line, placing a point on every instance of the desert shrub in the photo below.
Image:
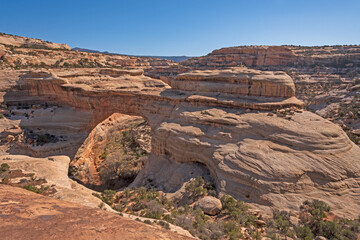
304	233
107	196
5	180
147	221
183	220
164	225
168	218
153	210
200	218
318	210
122	157
330	230
317	225
238	210
231	228
347	233
35	189
195	188
282	223
4	167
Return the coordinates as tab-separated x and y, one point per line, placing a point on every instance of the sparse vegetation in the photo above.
234	220
122	158
35	189
150	203
4	167
313	222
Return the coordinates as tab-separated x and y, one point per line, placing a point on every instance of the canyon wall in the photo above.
261	56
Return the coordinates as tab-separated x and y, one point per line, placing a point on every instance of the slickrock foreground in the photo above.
26	215
256	141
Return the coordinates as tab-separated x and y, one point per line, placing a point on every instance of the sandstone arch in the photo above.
252	153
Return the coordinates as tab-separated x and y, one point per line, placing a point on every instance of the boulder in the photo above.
320	238
210	205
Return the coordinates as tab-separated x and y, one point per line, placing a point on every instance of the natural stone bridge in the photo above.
224	120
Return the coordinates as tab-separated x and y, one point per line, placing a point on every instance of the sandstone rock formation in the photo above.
27	53
26	215
97	162
210	205
18	41
50	172
260	56
264	150
324	76
239	81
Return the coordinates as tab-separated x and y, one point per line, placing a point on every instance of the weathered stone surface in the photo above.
88	161
54	170
26	215
210	205
240	81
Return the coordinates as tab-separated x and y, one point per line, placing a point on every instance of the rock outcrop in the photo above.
18	41
50	172
240	81
26	215
325	76
261	149
27	53
97	162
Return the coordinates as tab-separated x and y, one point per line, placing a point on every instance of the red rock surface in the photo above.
26	215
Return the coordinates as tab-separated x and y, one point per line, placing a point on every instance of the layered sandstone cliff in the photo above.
261	56
239	81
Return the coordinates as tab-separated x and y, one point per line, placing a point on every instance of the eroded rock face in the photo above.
50	172
254	153
260	158
113	153
240	81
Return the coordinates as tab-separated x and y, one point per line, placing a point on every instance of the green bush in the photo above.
232	229
4	167
107	196
34	189
237	210
304	233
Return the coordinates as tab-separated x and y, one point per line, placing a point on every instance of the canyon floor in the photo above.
256	142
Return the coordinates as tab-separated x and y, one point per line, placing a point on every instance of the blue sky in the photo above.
182	27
